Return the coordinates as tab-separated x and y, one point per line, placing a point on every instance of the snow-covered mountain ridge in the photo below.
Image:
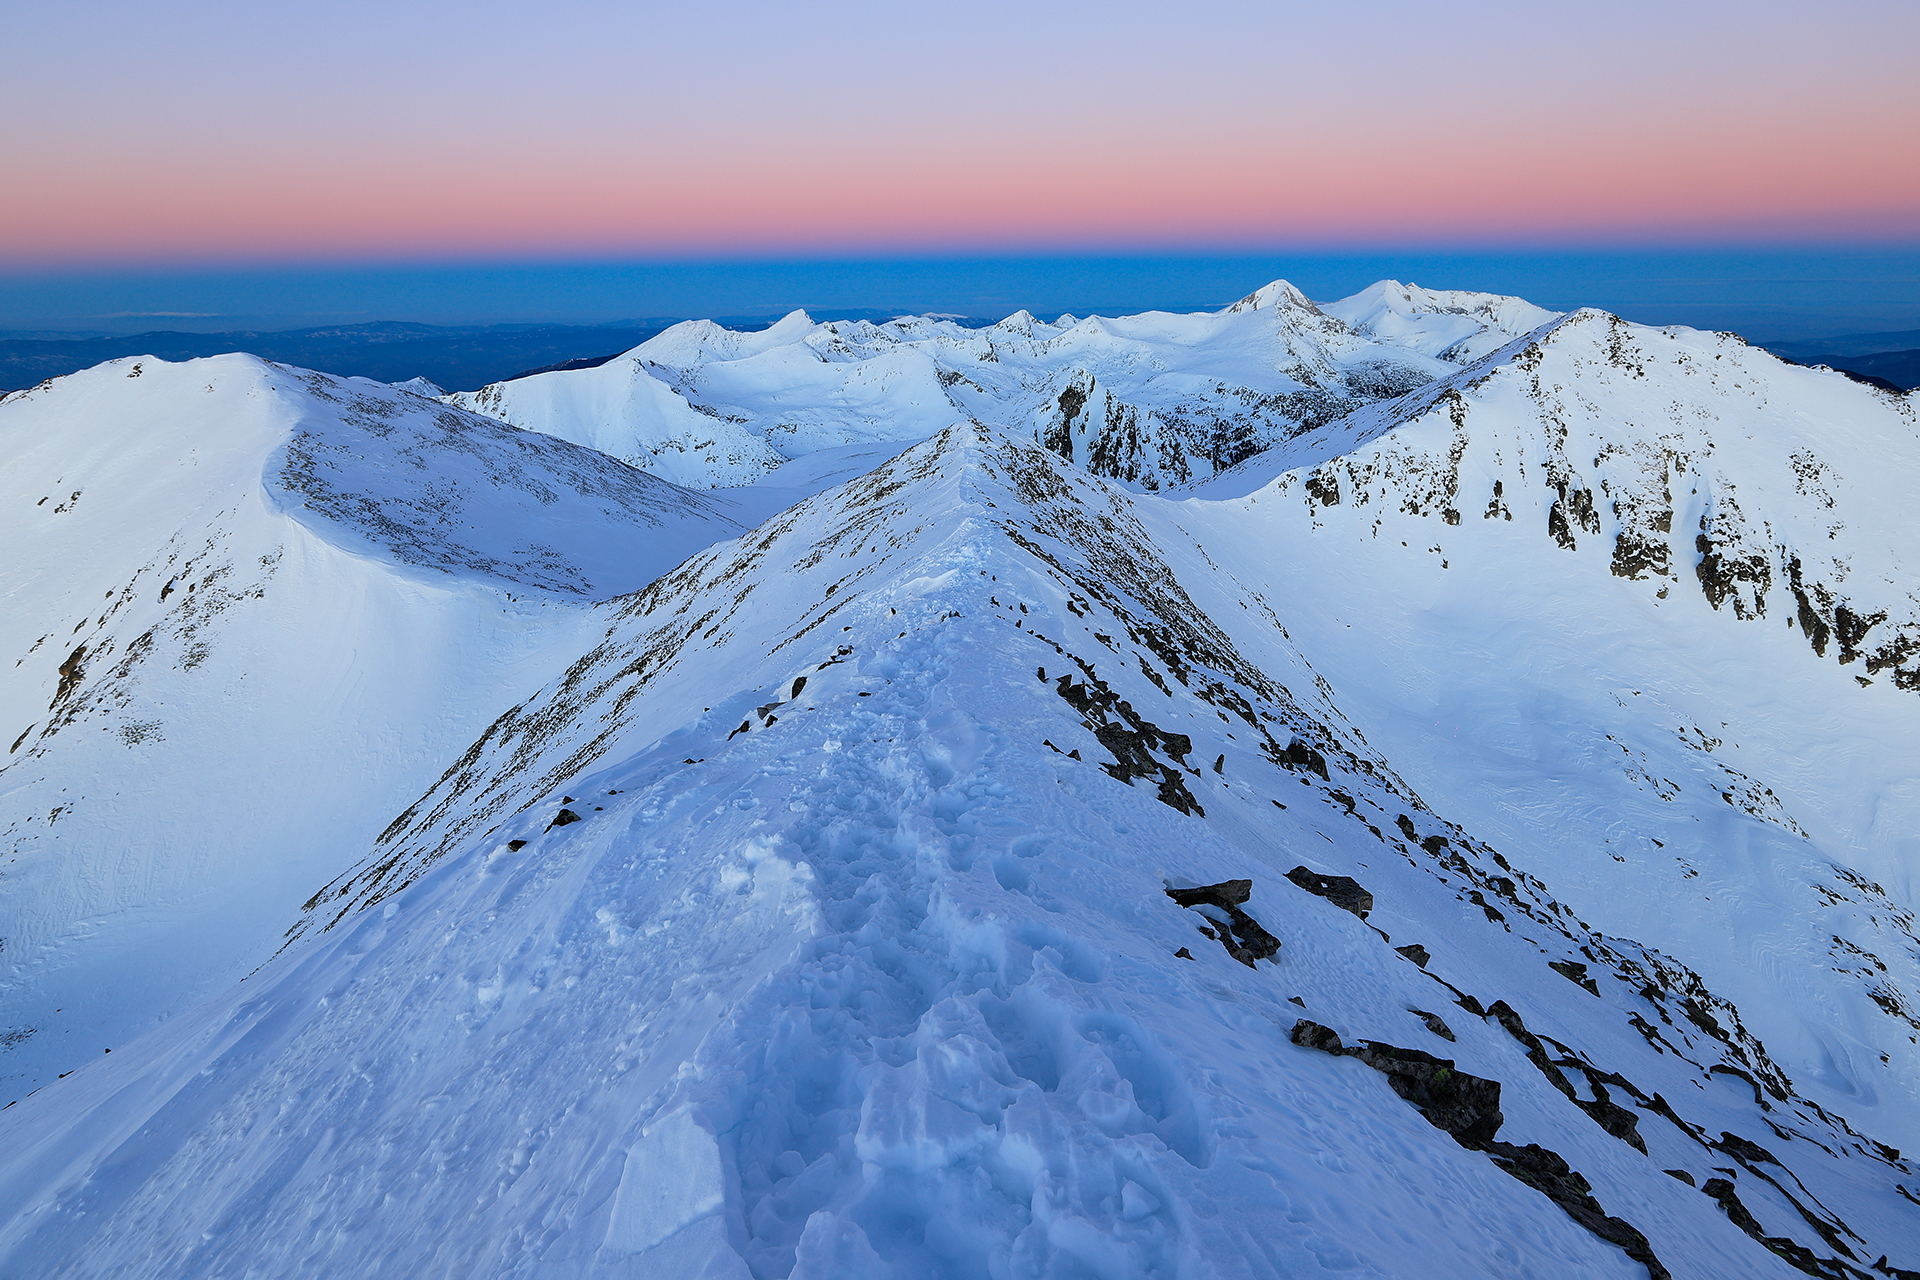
810	915
1614	420
1156	399
252	610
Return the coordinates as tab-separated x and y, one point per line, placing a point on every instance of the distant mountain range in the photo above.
387	351
1889	360
466	358
454	358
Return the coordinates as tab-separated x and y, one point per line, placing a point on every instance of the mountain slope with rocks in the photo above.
1413	851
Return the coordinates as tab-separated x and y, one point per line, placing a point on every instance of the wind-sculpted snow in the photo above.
1152	400
814	923
251	611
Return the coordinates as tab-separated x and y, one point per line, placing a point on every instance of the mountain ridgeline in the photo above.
1411	786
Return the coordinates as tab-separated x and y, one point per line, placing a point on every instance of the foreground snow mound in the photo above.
251	610
1153	400
816	922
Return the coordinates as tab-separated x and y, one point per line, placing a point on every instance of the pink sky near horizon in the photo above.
215	131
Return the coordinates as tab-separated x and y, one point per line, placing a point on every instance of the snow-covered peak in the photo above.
1020	322
1448	324
1279	293
420	387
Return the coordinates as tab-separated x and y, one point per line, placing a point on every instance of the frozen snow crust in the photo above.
809	918
1151	400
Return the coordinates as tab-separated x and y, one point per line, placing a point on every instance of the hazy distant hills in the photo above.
387	351
453	357
466	358
1892	357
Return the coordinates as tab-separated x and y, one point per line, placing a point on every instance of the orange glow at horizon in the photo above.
1745	126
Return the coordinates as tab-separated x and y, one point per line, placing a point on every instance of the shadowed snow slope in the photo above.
812	923
251	612
1152	400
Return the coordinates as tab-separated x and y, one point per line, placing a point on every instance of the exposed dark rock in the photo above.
1503	1013
516	845
1434	1022
1547	1173
1574	971
1812	625
1314	1036
1681	1174
1183	954
72	671
1794	1253
1722	570
1228	893
1741	1149
1238	932
1852	628
1299	755
563	818
1574	507
1468	1108
1342	891
1416	953
1611	1116
1132	740
1638	556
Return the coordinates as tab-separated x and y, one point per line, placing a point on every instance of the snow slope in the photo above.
251	612
813	922
1153	400
1643	602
